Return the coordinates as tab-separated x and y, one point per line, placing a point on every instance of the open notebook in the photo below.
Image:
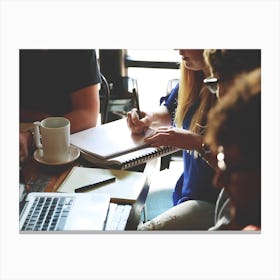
64	212
126	188
112	145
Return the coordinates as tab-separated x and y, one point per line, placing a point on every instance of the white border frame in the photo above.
149	24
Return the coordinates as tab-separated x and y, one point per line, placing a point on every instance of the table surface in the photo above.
43	178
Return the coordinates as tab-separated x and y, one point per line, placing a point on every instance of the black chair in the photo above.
123	97
104	95
170	85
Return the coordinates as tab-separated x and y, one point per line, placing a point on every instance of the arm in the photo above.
84	114
86	106
159	117
175	137
25	141
183	139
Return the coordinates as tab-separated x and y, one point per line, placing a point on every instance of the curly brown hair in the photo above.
236	119
226	63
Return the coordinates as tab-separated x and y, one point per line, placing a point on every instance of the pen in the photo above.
94	185
136	100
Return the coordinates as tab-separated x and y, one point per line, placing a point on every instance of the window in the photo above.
152	69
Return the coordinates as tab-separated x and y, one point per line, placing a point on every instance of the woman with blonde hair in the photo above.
182	118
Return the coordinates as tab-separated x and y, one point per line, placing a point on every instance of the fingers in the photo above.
160	132
132	118
158	138
164	129
23	146
23	155
135	117
161	137
136	125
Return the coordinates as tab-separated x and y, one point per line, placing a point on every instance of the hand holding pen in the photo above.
136	125
136	103
137	120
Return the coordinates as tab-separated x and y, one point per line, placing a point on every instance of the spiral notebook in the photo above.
112	145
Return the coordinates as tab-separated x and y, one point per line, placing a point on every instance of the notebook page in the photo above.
109	140
126	188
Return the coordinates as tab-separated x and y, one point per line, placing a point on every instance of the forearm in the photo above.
85	108
79	119
82	119
25	145
182	139
160	117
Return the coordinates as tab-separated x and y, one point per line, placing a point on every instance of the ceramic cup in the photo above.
52	135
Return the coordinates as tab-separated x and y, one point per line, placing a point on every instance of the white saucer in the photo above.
74	153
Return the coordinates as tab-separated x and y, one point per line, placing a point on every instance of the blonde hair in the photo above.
191	90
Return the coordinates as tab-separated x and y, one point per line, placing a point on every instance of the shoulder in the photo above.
171	97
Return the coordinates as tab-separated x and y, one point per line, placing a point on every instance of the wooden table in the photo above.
43	178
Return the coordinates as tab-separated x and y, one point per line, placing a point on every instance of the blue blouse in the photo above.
196	180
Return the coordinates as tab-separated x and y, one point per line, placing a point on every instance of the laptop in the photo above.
52	211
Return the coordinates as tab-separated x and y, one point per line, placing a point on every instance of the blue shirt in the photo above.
196	180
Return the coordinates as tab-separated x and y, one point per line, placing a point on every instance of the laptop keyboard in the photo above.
117	216
48	213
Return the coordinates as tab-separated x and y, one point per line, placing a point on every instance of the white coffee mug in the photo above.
52	135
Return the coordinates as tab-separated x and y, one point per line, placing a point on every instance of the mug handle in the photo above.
37	135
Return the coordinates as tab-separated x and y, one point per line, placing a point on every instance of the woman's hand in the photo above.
175	137
137	125
25	141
